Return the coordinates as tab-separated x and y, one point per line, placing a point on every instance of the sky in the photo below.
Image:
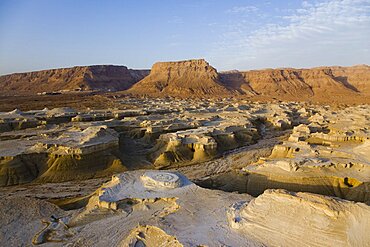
229	34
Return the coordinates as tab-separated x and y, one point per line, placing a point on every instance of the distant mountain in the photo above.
191	78
196	78
301	83
96	77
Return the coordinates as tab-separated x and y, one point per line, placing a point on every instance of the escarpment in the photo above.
302	84
80	78
198	79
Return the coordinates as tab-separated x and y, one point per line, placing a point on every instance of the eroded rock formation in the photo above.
192	78
196	78
166	204
151	208
328	155
97	77
302	84
282	218
59	154
150	236
279	152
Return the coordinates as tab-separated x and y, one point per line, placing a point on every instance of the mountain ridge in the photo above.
92	77
197	78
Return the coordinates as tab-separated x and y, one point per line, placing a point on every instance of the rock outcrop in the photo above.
282	218
329	155
59	154
153	208
164	208
182	79
135	208
355	77
150	236
27	213
81	78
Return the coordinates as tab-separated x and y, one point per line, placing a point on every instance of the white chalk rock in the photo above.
161	180
282	218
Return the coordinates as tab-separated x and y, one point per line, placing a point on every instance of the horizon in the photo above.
232	35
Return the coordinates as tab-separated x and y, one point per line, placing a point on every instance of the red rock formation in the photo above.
357	77
301	84
183	79
196	78
97	77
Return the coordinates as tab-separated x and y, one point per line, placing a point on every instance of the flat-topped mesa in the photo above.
185	69
80	78
183	79
196	78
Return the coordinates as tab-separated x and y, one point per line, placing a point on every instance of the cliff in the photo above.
197	78
184	79
97	77
297	84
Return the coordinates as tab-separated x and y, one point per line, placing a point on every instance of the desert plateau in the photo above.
185	123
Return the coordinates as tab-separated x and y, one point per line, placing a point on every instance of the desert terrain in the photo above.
185	155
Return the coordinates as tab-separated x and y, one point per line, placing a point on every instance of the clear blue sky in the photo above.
230	34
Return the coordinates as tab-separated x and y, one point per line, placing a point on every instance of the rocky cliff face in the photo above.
97	77
301	83
356	76
183	78
196	78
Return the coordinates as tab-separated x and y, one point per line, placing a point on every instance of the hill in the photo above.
190	78
81	78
